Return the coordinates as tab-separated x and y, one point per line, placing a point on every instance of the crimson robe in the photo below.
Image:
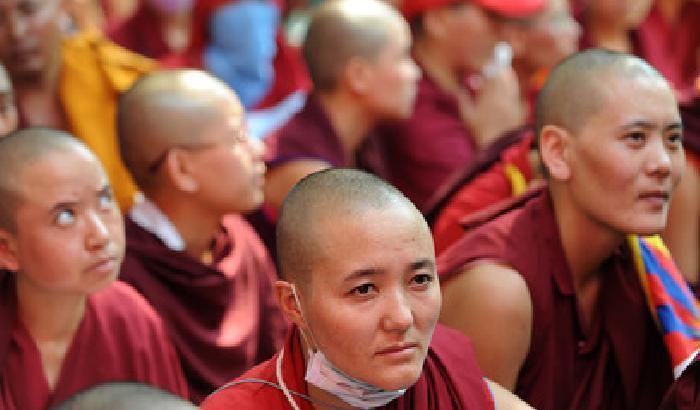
685	392
422	152
141	33
619	363
120	338
477	186
223	319
451	379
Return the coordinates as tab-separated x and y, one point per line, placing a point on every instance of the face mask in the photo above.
321	373
172	6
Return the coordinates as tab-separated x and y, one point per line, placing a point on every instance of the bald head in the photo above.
166	109
319	199
21	149
576	89
125	396
343	29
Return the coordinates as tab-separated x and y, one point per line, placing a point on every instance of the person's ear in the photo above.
8	251
179	169
554	145
284	293
357	74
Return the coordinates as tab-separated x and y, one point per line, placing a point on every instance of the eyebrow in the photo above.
650	125
414	266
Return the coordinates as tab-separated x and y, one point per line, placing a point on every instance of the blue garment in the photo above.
242	47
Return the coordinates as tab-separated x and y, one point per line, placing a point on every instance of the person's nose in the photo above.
398	314
97	231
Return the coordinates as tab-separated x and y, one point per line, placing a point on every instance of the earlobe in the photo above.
178	169
553	145
8	252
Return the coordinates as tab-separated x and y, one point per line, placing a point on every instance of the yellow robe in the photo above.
94	72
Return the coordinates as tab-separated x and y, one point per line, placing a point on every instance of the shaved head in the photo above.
124	396
315	202
343	29
19	150
576	89
166	109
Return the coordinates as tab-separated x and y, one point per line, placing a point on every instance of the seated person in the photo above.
69	82
188	251
357	52
361	288
560	268
454	118
66	325
124	396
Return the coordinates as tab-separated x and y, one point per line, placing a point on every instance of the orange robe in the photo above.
94	72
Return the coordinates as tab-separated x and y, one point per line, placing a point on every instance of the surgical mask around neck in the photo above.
323	374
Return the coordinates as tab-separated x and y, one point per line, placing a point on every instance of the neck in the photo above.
197	232
49	316
611	35
586	242
348	118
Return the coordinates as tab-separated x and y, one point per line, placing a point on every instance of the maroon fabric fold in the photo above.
619	363
120	338
451	379
222	318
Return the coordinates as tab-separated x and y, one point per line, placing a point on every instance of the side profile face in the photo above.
30	36
626	160
69	236
228	165
393	76
374	296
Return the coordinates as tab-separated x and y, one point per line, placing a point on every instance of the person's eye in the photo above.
364	289
106	199
636	137
422	279
675	138
65	217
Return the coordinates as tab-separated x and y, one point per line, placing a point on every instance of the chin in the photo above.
402	378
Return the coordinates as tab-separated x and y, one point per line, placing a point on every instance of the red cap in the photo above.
506	8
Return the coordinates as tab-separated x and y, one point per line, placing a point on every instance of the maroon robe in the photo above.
141	33
451	379
222	319
309	135
620	363
425	150
120	338
685	392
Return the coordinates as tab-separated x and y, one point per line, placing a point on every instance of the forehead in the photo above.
385	240
636	98
60	175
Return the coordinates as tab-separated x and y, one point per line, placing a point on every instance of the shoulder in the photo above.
121	309
255	390
248	247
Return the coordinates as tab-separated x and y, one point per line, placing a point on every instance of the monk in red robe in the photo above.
553	267
66	325
359	61
466	98
189	252
361	288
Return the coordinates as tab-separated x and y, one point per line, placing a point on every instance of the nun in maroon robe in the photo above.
451	379
221	317
619	363
120	338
